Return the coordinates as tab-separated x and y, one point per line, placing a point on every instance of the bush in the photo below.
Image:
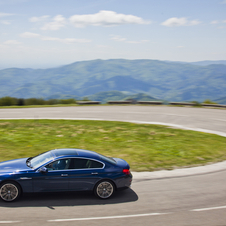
67	101
20	102
85	99
52	101
196	103
35	101
207	101
8	101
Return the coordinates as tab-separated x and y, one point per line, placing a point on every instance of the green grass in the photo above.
144	147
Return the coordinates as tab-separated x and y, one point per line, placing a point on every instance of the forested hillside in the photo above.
159	79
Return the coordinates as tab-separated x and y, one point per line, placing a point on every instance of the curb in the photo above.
166	174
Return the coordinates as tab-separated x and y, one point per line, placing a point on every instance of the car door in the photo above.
84	173
55	179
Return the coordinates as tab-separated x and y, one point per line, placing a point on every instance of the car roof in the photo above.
72	152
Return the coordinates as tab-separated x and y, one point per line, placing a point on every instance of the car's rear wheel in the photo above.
9	191
104	189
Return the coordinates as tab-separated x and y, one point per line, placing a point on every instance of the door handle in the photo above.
64	175
94	173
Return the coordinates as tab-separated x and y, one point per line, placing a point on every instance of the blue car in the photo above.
64	170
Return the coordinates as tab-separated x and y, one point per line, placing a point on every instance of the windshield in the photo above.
40	159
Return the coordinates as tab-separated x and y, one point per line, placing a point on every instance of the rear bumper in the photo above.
124	182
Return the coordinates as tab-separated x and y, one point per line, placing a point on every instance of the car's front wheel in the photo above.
9	191
104	189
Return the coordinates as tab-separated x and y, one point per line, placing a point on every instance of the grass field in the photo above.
145	147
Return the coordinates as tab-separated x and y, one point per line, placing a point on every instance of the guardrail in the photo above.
194	104
214	105
119	102
135	102
150	102
182	103
88	102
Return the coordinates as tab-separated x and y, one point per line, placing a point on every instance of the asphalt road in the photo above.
189	200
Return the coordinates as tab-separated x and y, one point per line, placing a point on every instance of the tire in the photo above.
9	191
104	189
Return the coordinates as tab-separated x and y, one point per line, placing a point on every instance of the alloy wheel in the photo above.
9	192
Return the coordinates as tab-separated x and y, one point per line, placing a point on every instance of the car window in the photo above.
107	159
79	163
61	164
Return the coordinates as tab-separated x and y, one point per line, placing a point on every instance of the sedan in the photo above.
63	170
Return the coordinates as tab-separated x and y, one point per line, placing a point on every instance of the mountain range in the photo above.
173	81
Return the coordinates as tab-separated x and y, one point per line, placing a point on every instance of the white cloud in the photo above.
5	14
223	2
29	35
133	42
73	40
137	42
102	46
50	39
5	22
214	22
66	40
143	41
118	38
46	38
224	21
176	22
58	22
12	42
38	19
105	18
193	22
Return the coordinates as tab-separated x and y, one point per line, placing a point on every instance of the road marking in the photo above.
9	222
108	217
210	208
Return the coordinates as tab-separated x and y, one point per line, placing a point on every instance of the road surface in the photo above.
185	200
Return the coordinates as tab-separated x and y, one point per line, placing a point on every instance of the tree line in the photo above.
13	101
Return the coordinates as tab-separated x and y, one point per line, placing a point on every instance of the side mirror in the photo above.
43	170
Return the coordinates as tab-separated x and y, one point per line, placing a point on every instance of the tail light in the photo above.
126	171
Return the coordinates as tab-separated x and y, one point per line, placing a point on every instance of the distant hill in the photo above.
63	96
174	81
118	96
221	100
209	62
141	97
107	96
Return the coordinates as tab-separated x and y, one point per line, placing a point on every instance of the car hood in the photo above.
14	165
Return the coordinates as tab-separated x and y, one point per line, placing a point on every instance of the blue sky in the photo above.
49	33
